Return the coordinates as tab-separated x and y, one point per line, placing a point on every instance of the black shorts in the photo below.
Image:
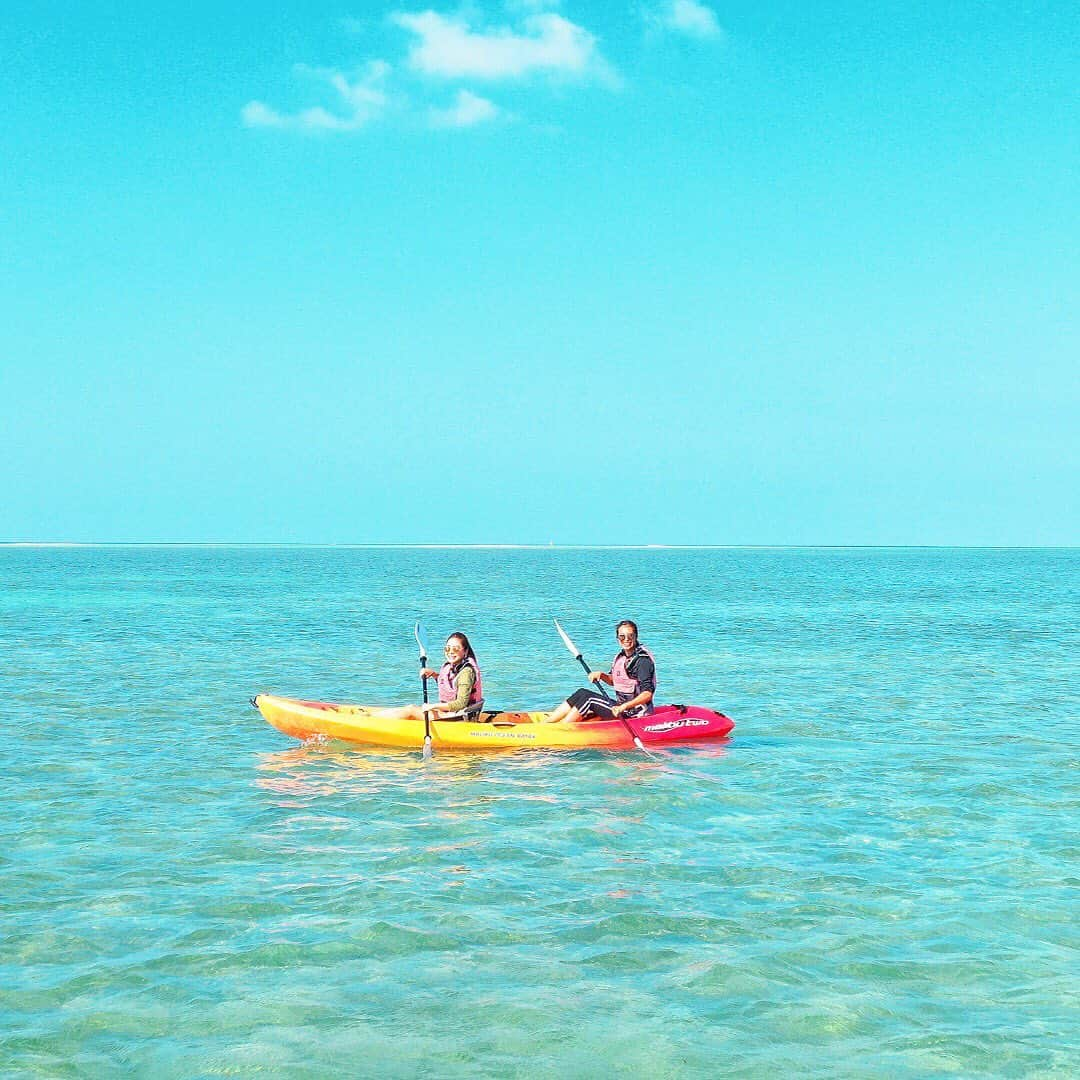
592	703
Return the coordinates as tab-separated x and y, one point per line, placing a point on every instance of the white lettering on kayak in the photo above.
671	725
501	735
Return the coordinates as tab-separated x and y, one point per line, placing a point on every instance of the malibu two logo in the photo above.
671	725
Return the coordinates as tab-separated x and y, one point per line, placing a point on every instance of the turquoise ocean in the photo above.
876	876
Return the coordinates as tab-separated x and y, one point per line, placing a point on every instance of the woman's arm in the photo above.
644	698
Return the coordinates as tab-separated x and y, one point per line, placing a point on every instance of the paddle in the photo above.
575	652
418	633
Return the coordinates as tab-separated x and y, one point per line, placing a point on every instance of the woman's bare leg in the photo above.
565	711
405	712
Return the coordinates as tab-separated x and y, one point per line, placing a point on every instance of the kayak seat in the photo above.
470	712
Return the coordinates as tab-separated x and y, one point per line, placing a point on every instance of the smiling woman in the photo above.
461	686
633	674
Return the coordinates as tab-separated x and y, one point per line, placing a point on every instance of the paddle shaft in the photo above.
427	715
599	686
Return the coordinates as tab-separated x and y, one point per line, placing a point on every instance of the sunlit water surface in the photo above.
877	875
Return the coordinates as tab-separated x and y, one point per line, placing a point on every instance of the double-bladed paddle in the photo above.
575	652
418	633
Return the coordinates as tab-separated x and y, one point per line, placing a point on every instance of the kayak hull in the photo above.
360	724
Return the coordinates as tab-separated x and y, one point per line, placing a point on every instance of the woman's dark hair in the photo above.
467	645
627	622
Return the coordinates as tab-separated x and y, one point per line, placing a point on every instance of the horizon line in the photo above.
435	546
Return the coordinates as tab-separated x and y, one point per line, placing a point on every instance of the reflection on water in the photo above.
327	768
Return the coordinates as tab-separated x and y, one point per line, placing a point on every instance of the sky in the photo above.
522	272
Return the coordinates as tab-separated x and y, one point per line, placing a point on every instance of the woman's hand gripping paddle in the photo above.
418	633
575	652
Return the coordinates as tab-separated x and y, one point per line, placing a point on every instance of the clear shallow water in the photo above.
877	876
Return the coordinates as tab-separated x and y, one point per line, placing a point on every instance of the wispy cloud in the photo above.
357	101
688	17
468	110
532	42
450	48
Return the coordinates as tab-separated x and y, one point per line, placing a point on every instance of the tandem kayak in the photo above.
491	730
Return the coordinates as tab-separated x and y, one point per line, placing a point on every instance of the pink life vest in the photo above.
626	686
447	692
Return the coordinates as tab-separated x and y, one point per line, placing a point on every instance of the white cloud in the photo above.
468	110
256	114
449	48
459	49
359	99
690	17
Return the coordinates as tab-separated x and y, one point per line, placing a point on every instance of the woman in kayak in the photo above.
460	684
633	674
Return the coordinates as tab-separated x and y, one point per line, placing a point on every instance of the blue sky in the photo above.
766	273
